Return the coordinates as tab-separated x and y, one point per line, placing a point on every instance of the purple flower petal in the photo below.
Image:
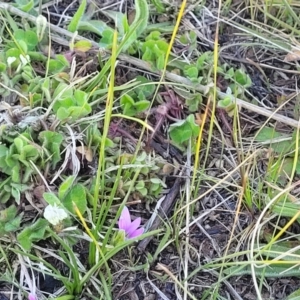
136	233
31	297
133	226
125	220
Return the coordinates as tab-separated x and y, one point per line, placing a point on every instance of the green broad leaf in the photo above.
14	224
4	167
148	54
27	174
107	39
228	105
141	96
33	233
15	173
29	38
285	208
65	187
23	46
126	100
270	271
226	102
194	102
158	182
8	214
83	46
16	195
13	53
62	59
184	39
62	91
51	199
56	66
142	105
279	142
3	151
2	67
25	5
77	112
286	168
109	143
160	8
129	110
205	57
140	184
155	51
119	19
66	103
143	191
230	74
95	26
46	88
242	78
74	24
31	152
77	195
145	88
160	61
267	133
182	131
153	35
154	187
81	97
294	296
52	141
191	71
62	114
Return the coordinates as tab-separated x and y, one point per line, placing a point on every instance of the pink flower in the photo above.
32	297
130	228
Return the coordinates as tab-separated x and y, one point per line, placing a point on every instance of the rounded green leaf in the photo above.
51	199
65	187
77	195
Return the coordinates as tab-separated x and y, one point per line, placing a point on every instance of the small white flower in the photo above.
24	59
10	60
54	214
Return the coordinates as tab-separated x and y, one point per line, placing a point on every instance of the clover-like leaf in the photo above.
52	141
33	233
13	224
182	131
83	46
77	194
279	142
191	72
65	187
8	213
28	37
51	199
25	5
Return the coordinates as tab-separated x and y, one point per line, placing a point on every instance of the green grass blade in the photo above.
72	27
141	16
